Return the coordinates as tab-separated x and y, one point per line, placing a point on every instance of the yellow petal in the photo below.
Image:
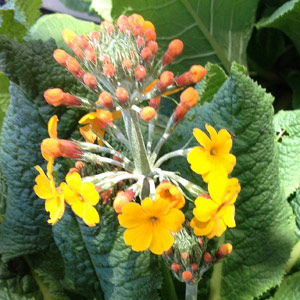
150	86
52	126
50	167
156	208
199	160
202	228
218	229
228	213
42	187
162	239
202	138
223	141
74	181
117	115
132	215
88	134
212	132
86	119
70	196
90	215
205	209
139	238
89	193
173	220
56	207
78	207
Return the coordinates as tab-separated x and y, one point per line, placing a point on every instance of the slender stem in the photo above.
150	136
169	155
191	290
136	141
295	255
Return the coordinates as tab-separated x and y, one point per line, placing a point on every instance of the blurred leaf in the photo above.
4	98
78	5
103	8
215	31
295	204
289	288
293	80
285	18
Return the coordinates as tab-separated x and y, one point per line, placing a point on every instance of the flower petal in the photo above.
200	160
89	193
132	215
162	239
70	196
86	119
173	220
88	134
90	215
202	228
78	207
205	209
228	213
74	181
218	229
156	208
212	132
43	186
202	138
52	126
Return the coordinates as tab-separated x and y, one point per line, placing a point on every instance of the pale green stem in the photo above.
136	141
191	290
150	136
295	255
169	155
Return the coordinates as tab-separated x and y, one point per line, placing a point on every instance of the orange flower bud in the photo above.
153	46
180	112
200	241
73	65
54	97
175	48
137	30
187	276
148	25
122	95
123	23
207	257
155	102
184	255
147	113
91	55
224	250
126	63
108	26
79	165
140	42
70	100
104	117
105	99
73	170
105	196
140	73
175	268
197	73
194	267
94	36
105	59
150	35
122	199
136	19
189	97
90	80
166	78
109	70
68	36
60	56
82	41
146	53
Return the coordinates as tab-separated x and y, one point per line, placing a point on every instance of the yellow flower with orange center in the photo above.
168	191
212	157
45	189
82	197
150	225
212	215
96	123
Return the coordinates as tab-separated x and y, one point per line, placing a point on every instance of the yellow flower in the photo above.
45	189
98	121
213	214
150	225
81	196
168	191
212	157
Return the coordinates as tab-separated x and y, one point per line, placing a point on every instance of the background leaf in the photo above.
289	288
4	97
215	31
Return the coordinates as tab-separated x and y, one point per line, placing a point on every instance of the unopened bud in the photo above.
180	112
136	19
184	255
197	73
60	56
126	63
140	73
91	55
175	268
105	59
155	102
105	196
148	25
140	42
137	30
79	165
165	79
189	97
109	70
70	100
68	36
187	276
150	35
122	95
90	80
73	170
147	113
54	97
123	23
175	48
194	267
146	53
94	36
200	241
122	199
153	46
224	250
207	257
105	99
82	41
73	65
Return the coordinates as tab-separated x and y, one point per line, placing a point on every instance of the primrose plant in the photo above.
119	65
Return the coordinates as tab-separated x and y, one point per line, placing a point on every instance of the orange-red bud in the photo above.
91	55
175	48
189	97
122	199
105	196
197	73
137	30
184	255
180	112
60	56
147	113
150	35
68	36
123	23
57	97
148	25
140	73
155	102
105	59
105	99
90	80
109	70
136	19
82	41
122	95
73	170
175	268
73	65
126	63
207	257
187	276
166	78
94	36
153	46
70	100
140	42
146	53
224	250
79	165
194	267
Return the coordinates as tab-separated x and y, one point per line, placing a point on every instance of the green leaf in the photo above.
4	98
213	80
289	288
97	257
287	127
103	8
286	19
263	237
78	5
295	204
53	25
215	31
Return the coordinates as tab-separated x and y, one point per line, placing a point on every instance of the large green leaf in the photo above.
4	98
285	18
215	31
264	233
97	257
289	288
287	126
295	204
78	5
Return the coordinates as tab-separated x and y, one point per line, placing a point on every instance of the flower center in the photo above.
213	151
153	219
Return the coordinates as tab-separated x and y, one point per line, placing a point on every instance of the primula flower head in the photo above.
45	189
82	197
213	215
168	191
212	157
150	224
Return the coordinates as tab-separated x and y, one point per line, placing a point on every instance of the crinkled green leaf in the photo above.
32	70
289	288
295	204
287	127
286	18
53	25
264	233
4	98
213	80
215	31
97	257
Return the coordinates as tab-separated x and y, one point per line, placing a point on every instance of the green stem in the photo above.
136	141
295	255
191	290
168	289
